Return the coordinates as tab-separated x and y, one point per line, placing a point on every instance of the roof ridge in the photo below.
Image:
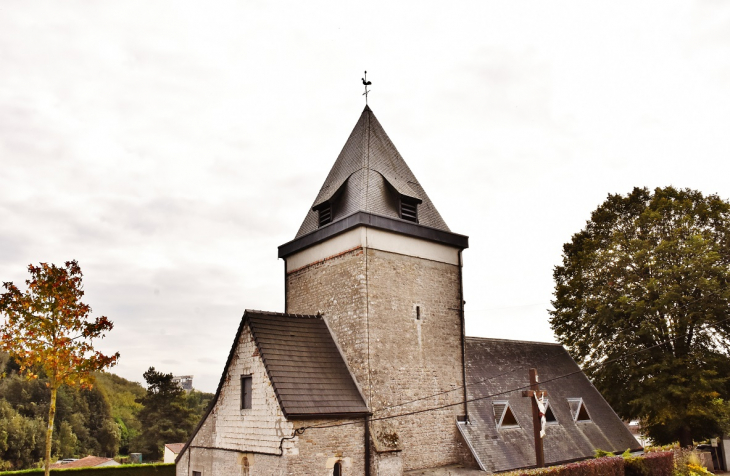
531	342
284	314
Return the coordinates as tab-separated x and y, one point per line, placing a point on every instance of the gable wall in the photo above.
228	427
232	441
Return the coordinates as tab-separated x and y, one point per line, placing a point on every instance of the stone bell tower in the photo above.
376	259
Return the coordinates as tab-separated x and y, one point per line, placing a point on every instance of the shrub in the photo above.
602	453
659	463
607	466
687	462
653	464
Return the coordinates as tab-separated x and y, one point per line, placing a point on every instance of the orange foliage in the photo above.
48	326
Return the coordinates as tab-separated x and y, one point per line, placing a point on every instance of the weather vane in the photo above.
366	83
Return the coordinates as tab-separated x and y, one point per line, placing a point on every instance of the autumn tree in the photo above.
47	328
649	278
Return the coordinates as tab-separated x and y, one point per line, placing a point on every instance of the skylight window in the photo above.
578	410
503	415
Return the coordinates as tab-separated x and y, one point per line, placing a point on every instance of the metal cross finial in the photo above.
366	83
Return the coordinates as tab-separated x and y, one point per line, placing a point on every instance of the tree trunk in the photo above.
685	437
49	430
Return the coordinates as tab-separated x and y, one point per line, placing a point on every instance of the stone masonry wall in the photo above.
314	453
416	353
320	448
410	356
336	288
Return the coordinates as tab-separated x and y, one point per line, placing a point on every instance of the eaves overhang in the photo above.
374	221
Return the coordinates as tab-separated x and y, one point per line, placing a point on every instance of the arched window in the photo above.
337	471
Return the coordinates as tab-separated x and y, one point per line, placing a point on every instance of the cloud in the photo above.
171	147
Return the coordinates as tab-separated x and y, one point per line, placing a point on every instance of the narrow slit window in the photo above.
503	415
246	382
418	313
325	215
409	210
578	410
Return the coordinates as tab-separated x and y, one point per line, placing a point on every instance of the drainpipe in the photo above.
367	446
463	335
286	290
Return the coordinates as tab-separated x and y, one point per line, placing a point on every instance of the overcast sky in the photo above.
171	146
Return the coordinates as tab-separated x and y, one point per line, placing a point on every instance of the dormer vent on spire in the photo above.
371	176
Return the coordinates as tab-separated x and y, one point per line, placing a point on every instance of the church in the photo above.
368	370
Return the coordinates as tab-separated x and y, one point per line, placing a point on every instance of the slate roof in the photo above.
308	373
494	366
367	176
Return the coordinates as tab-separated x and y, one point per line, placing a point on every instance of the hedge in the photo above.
159	469
608	466
652	464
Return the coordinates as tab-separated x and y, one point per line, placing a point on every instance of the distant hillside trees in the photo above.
103	421
645	288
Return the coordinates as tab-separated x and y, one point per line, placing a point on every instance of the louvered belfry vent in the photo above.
409	211
325	215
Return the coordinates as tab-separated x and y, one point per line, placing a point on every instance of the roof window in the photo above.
503	416
578	410
549	415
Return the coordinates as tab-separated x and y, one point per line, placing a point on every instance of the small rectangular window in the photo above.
197	473
246	381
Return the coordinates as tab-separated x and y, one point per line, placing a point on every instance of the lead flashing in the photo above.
374	221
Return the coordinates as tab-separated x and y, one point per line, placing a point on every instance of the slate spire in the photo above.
370	176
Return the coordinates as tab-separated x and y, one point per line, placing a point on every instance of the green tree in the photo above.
21	438
652	271
122	395
165	415
48	327
67	441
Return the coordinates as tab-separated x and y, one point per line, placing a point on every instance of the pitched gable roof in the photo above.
364	172
175	447
309	375
309	379
495	366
